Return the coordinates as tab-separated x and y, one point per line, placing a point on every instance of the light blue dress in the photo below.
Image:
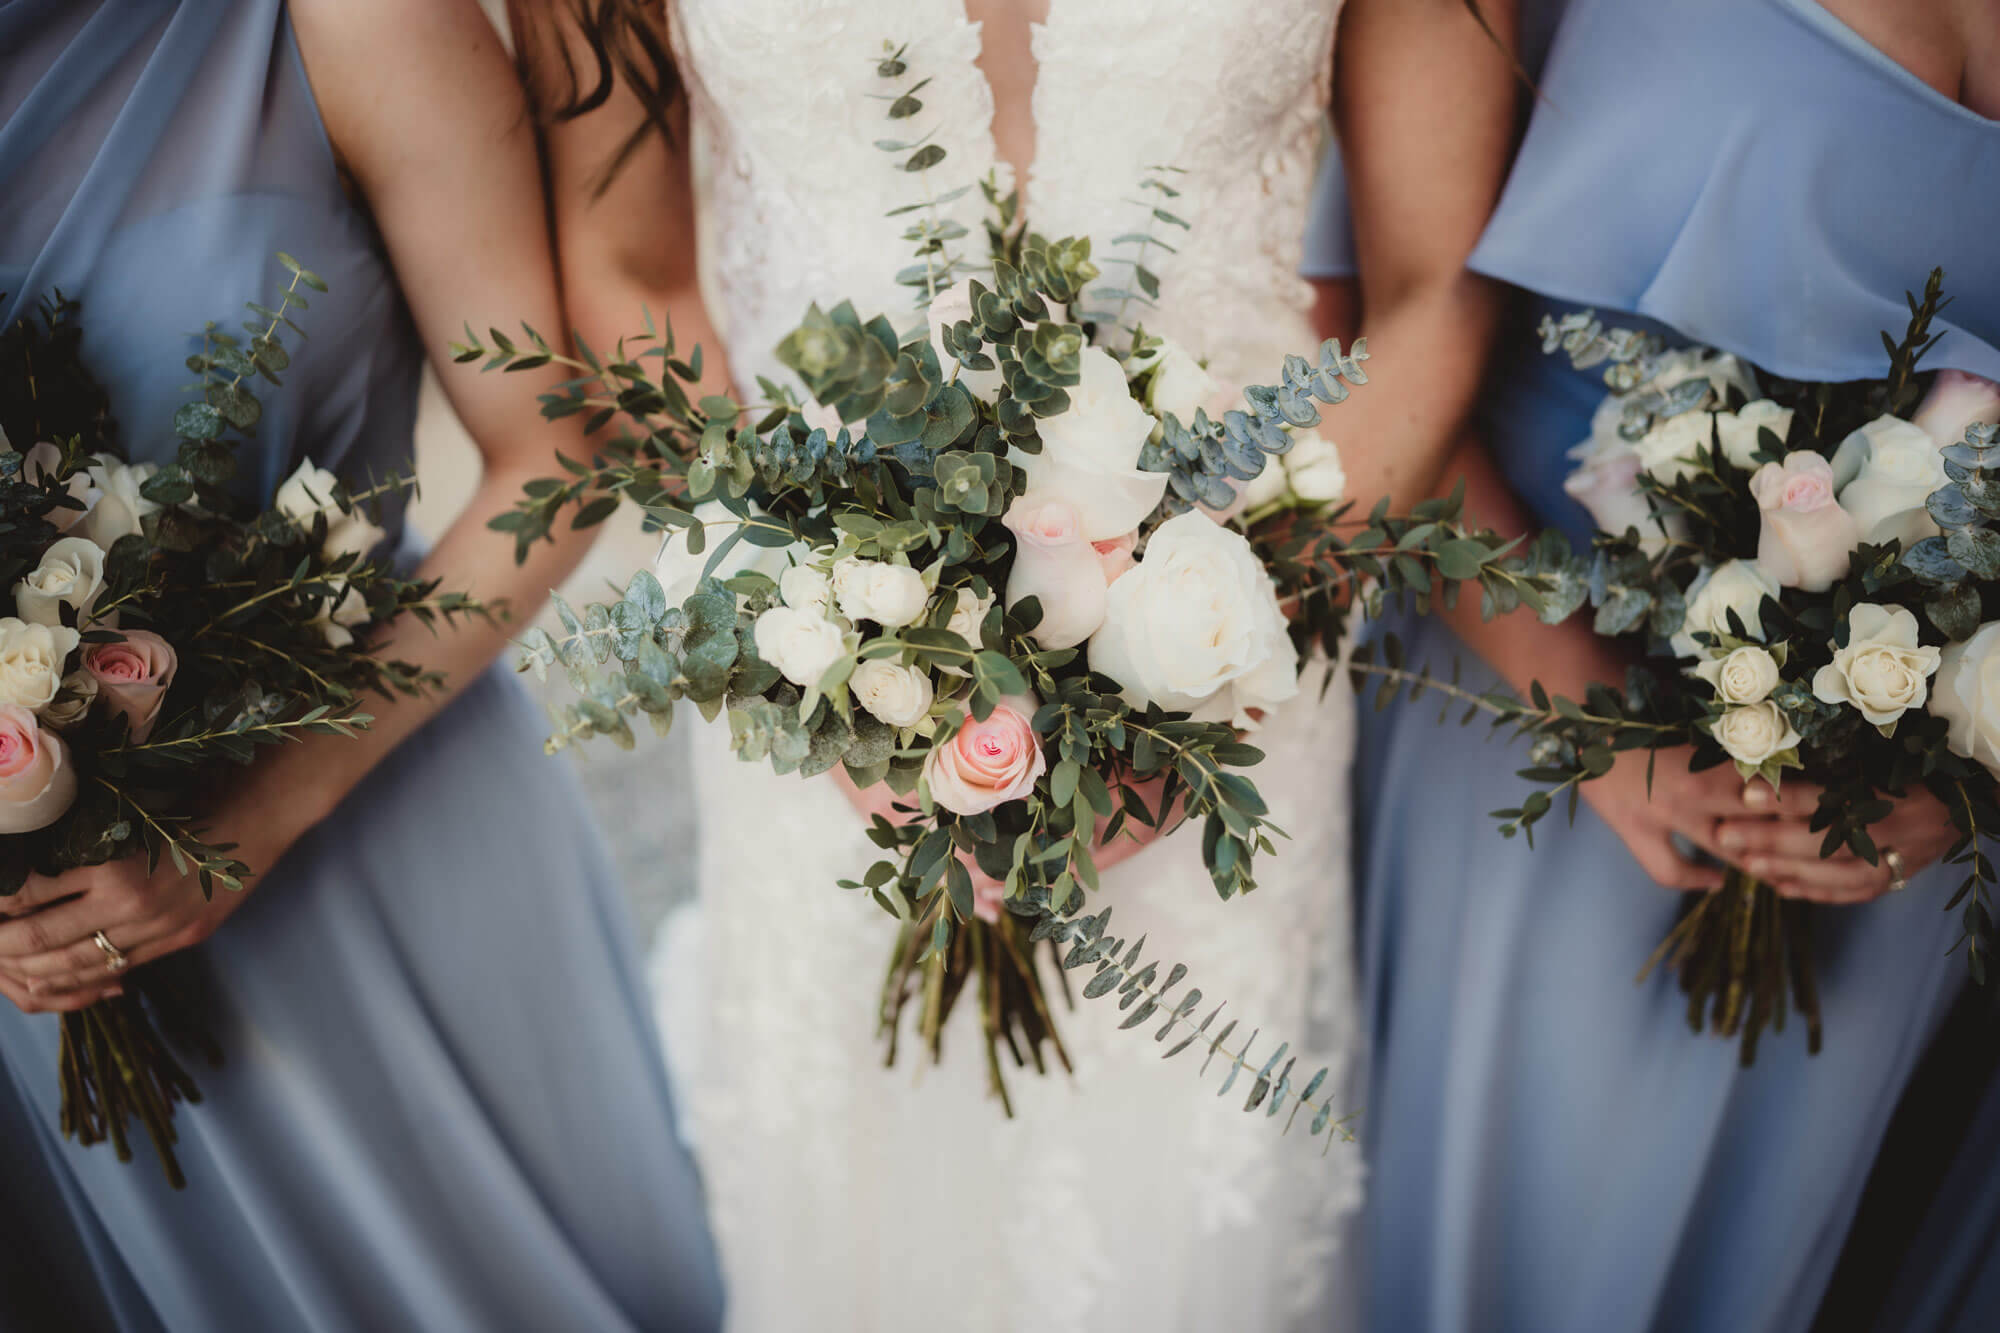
443	1106
1551	1150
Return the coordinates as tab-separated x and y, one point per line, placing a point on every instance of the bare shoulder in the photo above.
383	69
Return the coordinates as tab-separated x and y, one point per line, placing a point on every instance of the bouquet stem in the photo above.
114	1063
1743	956
996	962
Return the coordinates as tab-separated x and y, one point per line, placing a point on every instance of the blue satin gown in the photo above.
443	1106
1551	1149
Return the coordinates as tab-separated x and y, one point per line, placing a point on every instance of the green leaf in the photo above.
198	421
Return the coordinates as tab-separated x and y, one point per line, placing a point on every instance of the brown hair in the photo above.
625	41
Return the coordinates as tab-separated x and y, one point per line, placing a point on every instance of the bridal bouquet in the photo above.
985	569
1813	574
160	631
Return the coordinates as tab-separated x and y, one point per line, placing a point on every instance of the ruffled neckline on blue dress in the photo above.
1778	208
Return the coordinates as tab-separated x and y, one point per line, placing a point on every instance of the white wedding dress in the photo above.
849	1196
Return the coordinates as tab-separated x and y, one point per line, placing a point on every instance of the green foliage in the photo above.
1204	458
1122	969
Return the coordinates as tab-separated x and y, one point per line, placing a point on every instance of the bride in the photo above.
855	1196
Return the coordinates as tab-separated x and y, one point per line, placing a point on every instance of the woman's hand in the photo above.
1771	837
49	957
1680	802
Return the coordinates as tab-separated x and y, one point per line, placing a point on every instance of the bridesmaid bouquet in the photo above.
1813	573
160	632
973	573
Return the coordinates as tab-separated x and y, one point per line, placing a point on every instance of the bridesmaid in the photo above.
443	1106
1551	1149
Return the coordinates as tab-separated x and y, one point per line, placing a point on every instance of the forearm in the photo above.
1427	347
608	298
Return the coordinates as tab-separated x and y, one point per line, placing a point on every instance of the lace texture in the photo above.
885	1199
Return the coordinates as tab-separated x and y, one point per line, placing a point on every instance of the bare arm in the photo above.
1425	101
625	238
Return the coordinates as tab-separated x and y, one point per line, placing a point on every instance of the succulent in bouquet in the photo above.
1809	577
161	630
998	565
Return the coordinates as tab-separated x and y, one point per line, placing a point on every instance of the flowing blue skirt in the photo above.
443	1104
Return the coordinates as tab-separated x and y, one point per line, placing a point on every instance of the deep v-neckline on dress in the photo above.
1023	172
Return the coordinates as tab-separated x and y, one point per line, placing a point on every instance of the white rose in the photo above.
951	306
310	491
116	508
679	570
1894	466
1196	627
72	701
1059	569
1723	372
1957	400
1090	453
968	614
340	613
1968	696
806	589
31	662
71	574
1806	540
1735	585
801	645
1312	466
1267	487
1180	384
1746	676
890	595
1672	449
1883	670
1738	430
1755	732
898	695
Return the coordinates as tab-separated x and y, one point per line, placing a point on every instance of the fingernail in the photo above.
1758	866
1732	840
1756	796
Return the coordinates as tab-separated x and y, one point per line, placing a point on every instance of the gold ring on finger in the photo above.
114	958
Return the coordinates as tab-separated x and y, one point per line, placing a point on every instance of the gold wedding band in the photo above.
114	958
1898	872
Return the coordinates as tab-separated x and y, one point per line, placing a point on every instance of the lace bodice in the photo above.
1231	92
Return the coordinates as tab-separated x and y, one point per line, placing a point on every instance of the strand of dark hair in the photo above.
626	43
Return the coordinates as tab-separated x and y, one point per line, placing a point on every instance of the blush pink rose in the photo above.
1058	566
133	676
1957	400
986	764
1115	556
37	782
1808	540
